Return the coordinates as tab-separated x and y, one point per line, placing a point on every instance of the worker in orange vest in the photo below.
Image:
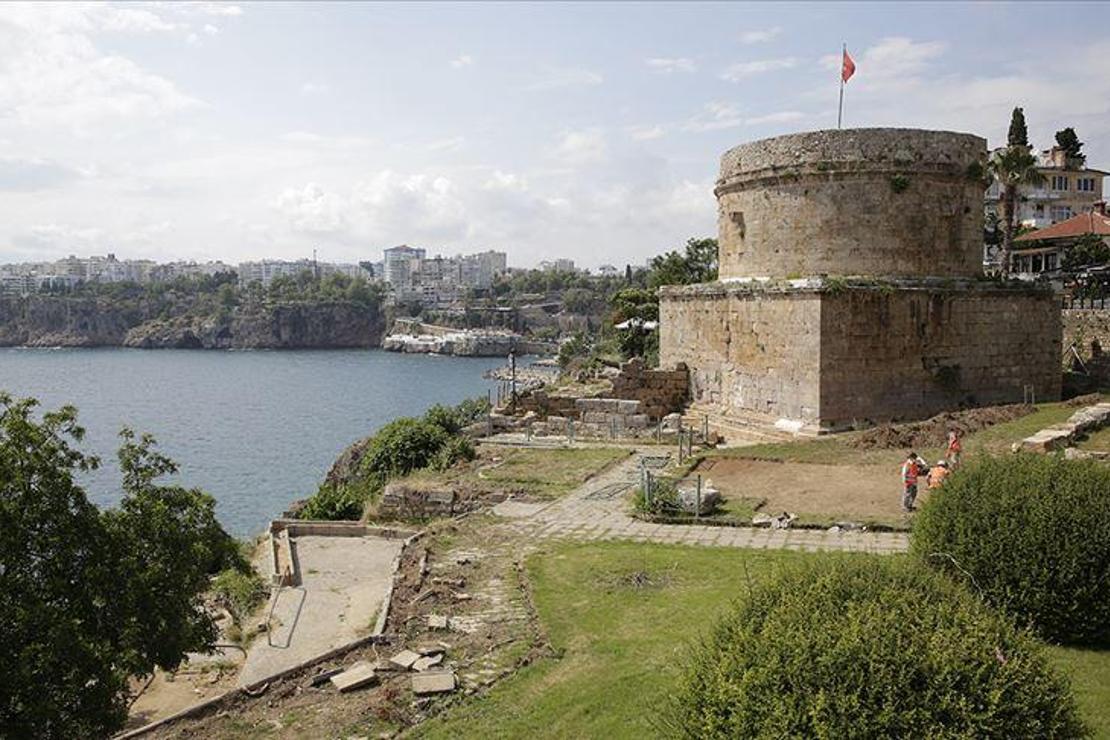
937	475
955	447
913	467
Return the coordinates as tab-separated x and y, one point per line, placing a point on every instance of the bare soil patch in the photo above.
933	432
817	493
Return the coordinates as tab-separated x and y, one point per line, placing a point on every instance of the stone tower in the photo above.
851	288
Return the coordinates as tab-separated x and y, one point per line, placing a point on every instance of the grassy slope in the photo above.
546	473
622	644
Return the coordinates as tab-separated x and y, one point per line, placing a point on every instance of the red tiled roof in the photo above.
1084	223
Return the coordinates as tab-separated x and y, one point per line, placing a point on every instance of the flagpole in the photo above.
840	106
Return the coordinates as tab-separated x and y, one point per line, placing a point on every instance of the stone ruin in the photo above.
851	289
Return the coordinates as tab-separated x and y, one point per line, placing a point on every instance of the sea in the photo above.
255	429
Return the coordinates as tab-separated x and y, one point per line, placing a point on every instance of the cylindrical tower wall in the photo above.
884	202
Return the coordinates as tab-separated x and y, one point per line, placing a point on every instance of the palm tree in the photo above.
1012	167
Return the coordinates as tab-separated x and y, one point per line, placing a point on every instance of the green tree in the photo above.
168	543
1069	141
1012	167
91	599
697	264
1088	250
1018	135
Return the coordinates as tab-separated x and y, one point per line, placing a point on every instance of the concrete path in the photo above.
598	510
344	581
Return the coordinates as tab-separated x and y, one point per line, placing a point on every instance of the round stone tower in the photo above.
853	202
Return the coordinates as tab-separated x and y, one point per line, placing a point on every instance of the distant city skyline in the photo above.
215	131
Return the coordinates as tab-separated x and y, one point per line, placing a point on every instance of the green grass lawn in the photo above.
1099	441
621	644
837	449
545	473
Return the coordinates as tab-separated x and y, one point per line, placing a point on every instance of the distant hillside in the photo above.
198	315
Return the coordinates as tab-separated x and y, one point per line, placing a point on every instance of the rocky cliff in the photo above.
50	321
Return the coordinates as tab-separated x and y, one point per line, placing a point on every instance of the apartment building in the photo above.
1068	188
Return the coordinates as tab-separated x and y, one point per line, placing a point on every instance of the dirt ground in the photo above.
858	493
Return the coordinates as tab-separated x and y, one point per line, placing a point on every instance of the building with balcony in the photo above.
1068	188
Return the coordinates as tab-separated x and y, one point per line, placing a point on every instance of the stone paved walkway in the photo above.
598	510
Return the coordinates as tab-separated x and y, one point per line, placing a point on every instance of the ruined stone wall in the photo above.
1085	325
660	392
897	202
905	354
747	354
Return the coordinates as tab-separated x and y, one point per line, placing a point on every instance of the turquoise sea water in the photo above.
255	429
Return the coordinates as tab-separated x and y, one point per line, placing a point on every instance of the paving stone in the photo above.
358	675
433	682
427	662
405	659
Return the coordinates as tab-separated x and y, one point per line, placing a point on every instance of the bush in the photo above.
238	591
1032	534
335	502
456	449
664	498
869	648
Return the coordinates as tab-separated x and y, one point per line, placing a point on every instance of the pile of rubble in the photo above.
424	662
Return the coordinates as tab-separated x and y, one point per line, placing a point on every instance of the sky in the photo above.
591	131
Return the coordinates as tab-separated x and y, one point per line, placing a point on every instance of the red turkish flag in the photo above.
847	67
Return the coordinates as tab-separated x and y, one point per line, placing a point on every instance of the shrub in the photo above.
664	498
400	447
335	502
1032	534
455	450
868	648
240	592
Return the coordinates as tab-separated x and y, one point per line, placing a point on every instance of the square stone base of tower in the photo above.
820	355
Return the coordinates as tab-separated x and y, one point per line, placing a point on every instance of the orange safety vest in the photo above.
937	476
909	472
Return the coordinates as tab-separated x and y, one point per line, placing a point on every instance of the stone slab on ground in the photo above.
358	675
437	622
433	682
405	659
428	661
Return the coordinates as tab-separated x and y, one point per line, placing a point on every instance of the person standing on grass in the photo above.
913	467
955	447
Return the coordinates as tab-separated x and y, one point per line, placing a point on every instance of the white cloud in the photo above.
786	116
451	143
55	238
30	173
314	88
743	70
667	65
210	29
718	115
647	133
759	36
464	60
582	146
311	209
225	10
556	77
53	75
